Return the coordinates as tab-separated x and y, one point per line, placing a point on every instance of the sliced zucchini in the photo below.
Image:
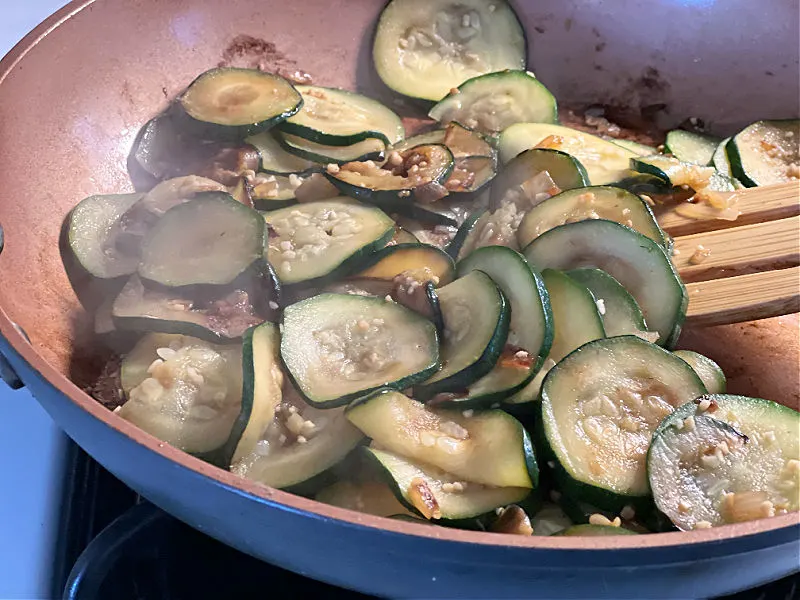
490	447
471	174
596	202
435	136
414	290
564	170
464	232
529	393
300	444
531	323
209	240
465	142
577	320
356	287
636	147
493	228
371	497
231	103
403	236
604	161
437	495
425	234
476	320
720	161
674	172
600	407
270	192
262	381
168	194
340	346
430	214
493	102
694	148
634	260
726	459
185	391
644	183
275	160
241	193
368	149
707	370
620	313
422	260
149	159
315	242
512	371
424	49
166	148
339	118
586	530
94	230
766	152
214	317
398	183
723	165
473	154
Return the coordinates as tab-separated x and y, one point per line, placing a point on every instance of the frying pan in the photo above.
75	91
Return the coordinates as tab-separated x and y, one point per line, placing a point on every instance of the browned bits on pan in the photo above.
246	51
422	498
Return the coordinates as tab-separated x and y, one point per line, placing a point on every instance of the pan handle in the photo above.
7	374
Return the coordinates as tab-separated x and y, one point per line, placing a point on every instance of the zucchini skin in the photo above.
446	275
545	157
398	385
397	200
216	131
148	324
455	245
222	456
481	367
477	522
324	160
91	291
433	301
337	139
329	139
351	265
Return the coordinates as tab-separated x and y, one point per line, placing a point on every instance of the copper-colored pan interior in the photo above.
72	98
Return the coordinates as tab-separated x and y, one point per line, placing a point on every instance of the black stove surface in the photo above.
116	546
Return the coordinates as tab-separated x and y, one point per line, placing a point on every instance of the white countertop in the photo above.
31	446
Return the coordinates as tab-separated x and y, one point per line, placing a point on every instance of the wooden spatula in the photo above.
745	269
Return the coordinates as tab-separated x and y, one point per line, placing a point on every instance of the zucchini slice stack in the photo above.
442	464
310	299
